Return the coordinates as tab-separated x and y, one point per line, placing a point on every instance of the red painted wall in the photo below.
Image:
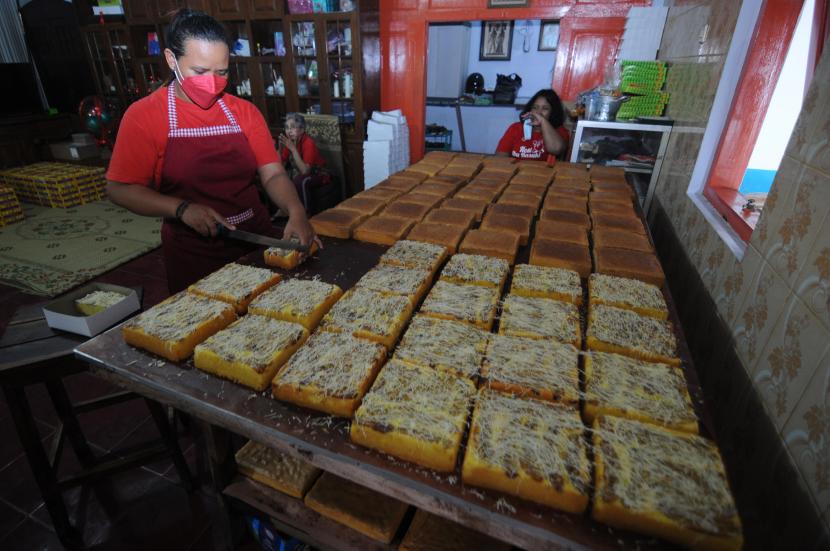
589	38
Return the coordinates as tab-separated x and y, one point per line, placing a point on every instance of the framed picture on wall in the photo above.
548	35
496	41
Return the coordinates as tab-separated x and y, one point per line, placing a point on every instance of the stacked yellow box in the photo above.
55	184
10	210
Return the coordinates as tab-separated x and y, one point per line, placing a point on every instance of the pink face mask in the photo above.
203	90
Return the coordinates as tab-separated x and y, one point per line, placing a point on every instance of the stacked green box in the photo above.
643	81
54	185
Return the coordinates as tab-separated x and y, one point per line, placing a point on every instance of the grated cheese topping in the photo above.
530	438
366	310
412	254
178	316
633	293
631	330
396	280
476	269
337	364
629	385
533	364
470	303
418	401
446	345
234	280
274	464
295	297
104	299
546	279
651	469
540	318
254	340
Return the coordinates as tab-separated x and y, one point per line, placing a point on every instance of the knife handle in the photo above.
221	230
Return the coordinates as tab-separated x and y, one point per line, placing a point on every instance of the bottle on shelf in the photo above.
279	86
347	85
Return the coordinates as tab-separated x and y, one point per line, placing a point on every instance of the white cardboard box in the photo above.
63	314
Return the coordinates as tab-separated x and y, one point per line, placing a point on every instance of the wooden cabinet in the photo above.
282	62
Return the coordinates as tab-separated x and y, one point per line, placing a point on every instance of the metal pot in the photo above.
603	108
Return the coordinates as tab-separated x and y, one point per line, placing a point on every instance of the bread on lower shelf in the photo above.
235	284
429	532
280	471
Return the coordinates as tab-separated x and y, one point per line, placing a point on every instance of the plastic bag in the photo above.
507	86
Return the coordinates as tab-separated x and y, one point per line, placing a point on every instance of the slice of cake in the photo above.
475	205
397	280
370	315
476	269
528	448
631	294
532	367
517	198
455	217
554	201
540	318
620	239
545	282
251	350
331	373
367	205
439	189
371	513
472	304
415	413
413	254
384	229
645	391
446	235
97	301
627	263
337	222
399	208
487	194
173	328
385	193
427	199
560	254
536	191
625	332
616	209
235	284
491	243
285	473
664	483
561	231
450	346
626	223
508	223
570	217
287	259
525	211
610	197
297	300
432	533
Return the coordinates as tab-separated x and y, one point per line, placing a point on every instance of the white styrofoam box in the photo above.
63	314
380	131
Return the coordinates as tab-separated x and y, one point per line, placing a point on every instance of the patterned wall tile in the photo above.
719	264
792	353
811	136
684	30
813	280
779	198
721	28
807	435
737	284
755	319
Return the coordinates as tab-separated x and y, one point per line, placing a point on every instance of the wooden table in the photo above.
323	440
33	353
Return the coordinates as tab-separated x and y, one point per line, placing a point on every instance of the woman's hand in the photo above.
536	118
204	219
299	227
288	142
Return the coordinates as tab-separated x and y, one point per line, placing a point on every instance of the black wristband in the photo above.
181	208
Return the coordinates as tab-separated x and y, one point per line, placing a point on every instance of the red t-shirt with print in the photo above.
513	142
308	151
138	155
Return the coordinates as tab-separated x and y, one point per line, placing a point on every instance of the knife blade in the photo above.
261	239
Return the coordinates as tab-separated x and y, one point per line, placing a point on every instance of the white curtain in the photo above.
12	43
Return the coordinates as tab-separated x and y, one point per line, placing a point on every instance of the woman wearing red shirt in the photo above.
301	157
548	137
189	153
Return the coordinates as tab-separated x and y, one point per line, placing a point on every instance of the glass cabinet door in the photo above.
119	43
306	66
274	88
102	64
341	71
239	79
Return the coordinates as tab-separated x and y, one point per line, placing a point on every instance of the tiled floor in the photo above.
144	508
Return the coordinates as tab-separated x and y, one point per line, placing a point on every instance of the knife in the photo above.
258	239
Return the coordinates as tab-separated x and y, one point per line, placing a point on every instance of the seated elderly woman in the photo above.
301	157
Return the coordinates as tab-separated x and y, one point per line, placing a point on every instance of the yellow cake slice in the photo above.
415	413
449	346
432	533
371	513
297	300
251	350
473	304
664	483
536	368
174	327
645	391
235	284
331	373
287	259
476	269
397	280
631	294
540	318
415	254
97	301
370	315
546	282
630	334
528	448
280	471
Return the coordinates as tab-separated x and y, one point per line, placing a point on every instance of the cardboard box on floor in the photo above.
63	314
